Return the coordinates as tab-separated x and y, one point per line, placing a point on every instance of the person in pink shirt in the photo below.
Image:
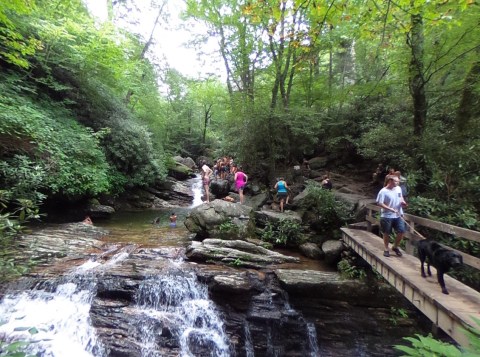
240	183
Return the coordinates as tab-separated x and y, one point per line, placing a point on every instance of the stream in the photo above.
140	298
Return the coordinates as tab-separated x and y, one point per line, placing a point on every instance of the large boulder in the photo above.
220	188
237	252
180	171
205	220
187	161
96	210
312	250
355	203
333	250
257	200
264	216
317	163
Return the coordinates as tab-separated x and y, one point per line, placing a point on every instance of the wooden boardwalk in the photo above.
451	312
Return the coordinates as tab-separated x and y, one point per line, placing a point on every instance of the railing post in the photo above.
409	247
369	224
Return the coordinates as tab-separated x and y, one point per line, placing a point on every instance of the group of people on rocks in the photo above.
392	200
225	168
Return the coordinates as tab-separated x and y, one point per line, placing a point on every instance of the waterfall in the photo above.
61	318
177	304
59	311
312	339
197	189
249	350
172	308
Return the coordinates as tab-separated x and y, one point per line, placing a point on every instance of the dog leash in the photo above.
413	229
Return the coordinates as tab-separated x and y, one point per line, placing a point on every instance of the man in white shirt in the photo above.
391	200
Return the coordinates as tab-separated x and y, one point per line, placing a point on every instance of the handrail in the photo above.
428	223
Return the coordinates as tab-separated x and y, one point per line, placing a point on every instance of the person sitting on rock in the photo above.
87	220
326	183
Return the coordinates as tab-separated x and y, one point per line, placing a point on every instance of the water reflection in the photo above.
138	227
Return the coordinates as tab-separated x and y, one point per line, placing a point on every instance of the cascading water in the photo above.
173	306
177	303
197	190
312	339
249	351
61	318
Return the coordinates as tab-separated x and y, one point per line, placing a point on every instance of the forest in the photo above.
89	108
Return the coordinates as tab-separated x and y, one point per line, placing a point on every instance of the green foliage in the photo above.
12	223
228	227
17	348
331	214
428	346
349	271
453	213
396	314
59	155
236	263
14	46
425	346
284	232
130	149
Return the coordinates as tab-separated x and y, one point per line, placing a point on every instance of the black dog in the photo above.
441	258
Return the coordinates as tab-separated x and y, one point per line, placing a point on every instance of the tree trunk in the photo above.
468	108
416	74
206	118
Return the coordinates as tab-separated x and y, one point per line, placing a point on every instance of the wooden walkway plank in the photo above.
450	312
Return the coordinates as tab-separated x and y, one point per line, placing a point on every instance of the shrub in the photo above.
331	214
284	232
350	271
44	149
428	346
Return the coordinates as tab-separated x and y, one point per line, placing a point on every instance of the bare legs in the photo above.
281	204
386	240
398	240
240	192
207	192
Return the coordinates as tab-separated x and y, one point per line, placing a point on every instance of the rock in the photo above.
333	250
264	216
257	200
312	250
180	171
274	313
205	220
187	161
100	211
208	160
238	253
355	203
72	240
317	163
220	188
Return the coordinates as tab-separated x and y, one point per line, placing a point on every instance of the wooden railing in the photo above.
413	222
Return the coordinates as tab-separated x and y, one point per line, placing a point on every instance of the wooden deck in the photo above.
451	312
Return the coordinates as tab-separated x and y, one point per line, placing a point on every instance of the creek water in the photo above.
59	308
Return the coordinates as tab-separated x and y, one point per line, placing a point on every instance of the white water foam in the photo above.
180	302
61	318
197	190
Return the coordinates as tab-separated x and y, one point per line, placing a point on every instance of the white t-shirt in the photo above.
391	198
